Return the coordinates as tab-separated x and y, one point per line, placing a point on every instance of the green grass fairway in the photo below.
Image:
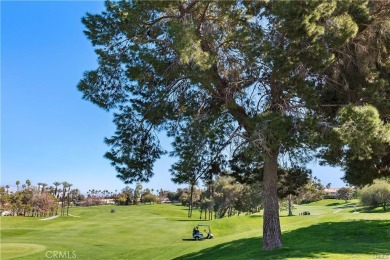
332	231
15	250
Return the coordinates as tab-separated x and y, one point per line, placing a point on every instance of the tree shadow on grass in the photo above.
256	216
356	237
333	204
376	210
342	205
346	205
192	220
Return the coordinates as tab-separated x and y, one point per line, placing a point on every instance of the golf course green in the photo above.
163	231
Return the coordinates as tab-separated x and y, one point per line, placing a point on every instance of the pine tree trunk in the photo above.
271	225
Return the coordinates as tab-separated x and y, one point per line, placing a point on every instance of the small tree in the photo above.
126	197
345	193
4	199
227	192
183	198
7	188
172	196
26	197
310	192
149	198
376	195
137	193
121	199
290	181
251	199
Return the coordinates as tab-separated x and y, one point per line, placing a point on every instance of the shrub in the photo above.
345	193
376	195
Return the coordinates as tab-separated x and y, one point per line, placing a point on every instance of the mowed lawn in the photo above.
164	232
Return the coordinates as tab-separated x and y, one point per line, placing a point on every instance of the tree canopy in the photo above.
227	77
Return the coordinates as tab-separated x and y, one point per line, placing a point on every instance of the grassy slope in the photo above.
163	232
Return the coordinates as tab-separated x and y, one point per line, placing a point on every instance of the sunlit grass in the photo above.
163	232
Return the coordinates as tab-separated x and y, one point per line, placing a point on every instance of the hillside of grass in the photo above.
163	231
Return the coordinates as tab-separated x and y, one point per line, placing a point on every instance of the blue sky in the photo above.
48	133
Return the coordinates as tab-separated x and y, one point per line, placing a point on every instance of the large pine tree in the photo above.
264	76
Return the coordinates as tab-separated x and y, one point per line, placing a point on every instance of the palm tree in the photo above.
7	187
56	184
43	186
64	187
17	185
39	186
28	182
24	186
58	193
57	197
67	210
50	189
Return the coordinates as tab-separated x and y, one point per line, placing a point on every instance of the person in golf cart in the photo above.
195	231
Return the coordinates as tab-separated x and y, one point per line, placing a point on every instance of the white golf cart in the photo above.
198	235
